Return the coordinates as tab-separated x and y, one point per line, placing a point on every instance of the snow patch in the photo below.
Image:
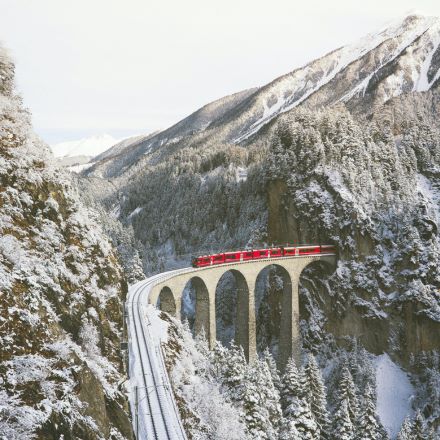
394	394
79	168
423	83
135	212
159	327
431	193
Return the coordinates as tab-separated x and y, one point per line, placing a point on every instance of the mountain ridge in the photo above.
91	146
399	59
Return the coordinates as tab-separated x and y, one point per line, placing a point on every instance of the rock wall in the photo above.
61	297
382	216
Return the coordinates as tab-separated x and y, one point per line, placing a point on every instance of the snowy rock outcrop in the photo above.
61	290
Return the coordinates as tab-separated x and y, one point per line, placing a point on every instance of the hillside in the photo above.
345	150
402	58
61	295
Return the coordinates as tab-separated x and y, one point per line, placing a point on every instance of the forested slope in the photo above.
61	292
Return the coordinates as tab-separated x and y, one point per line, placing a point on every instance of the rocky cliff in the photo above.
375	195
61	292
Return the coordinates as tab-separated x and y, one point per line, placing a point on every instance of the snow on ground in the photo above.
148	374
91	146
424	83
394	394
135	211
79	168
431	193
159	327
291	90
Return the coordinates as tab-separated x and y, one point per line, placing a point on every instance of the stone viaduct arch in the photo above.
205	281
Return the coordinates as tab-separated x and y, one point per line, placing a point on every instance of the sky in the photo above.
125	67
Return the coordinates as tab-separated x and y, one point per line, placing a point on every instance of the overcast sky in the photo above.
133	66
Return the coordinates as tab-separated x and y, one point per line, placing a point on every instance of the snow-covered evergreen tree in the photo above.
296	409
405	430
288	430
204	364
347	392
369	426
262	412
316	396
230	367
270	361
418	430
343	428
270	394
290	387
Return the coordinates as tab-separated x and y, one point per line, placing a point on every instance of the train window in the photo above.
309	250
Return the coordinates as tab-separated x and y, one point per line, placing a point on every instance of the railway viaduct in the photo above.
205	280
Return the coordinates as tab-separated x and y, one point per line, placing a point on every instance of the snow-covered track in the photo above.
155	414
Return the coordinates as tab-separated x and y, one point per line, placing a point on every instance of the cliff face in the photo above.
374	194
61	297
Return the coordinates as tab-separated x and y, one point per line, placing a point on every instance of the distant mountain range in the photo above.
91	146
400	59
81	151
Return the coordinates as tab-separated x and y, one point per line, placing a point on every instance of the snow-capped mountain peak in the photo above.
400	58
89	147
411	45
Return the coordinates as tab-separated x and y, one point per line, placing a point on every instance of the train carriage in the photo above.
258	254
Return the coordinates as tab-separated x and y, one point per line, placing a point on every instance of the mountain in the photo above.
345	150
89	147
120	159
400	59
76	154
62	291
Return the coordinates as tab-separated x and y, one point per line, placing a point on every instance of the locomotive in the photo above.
258	254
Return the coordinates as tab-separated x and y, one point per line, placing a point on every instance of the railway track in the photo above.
155	415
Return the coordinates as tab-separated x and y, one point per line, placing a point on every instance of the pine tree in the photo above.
347	391
233	372
418	431
369	427
288	430
219	360
270	395
296	409
343	428
204	363
270	361
316	396
290	386
405	430
346	403
260	405
255	416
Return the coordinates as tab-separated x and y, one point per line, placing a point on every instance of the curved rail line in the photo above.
153	420
153	424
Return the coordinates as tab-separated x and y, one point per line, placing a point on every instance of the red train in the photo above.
257	254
